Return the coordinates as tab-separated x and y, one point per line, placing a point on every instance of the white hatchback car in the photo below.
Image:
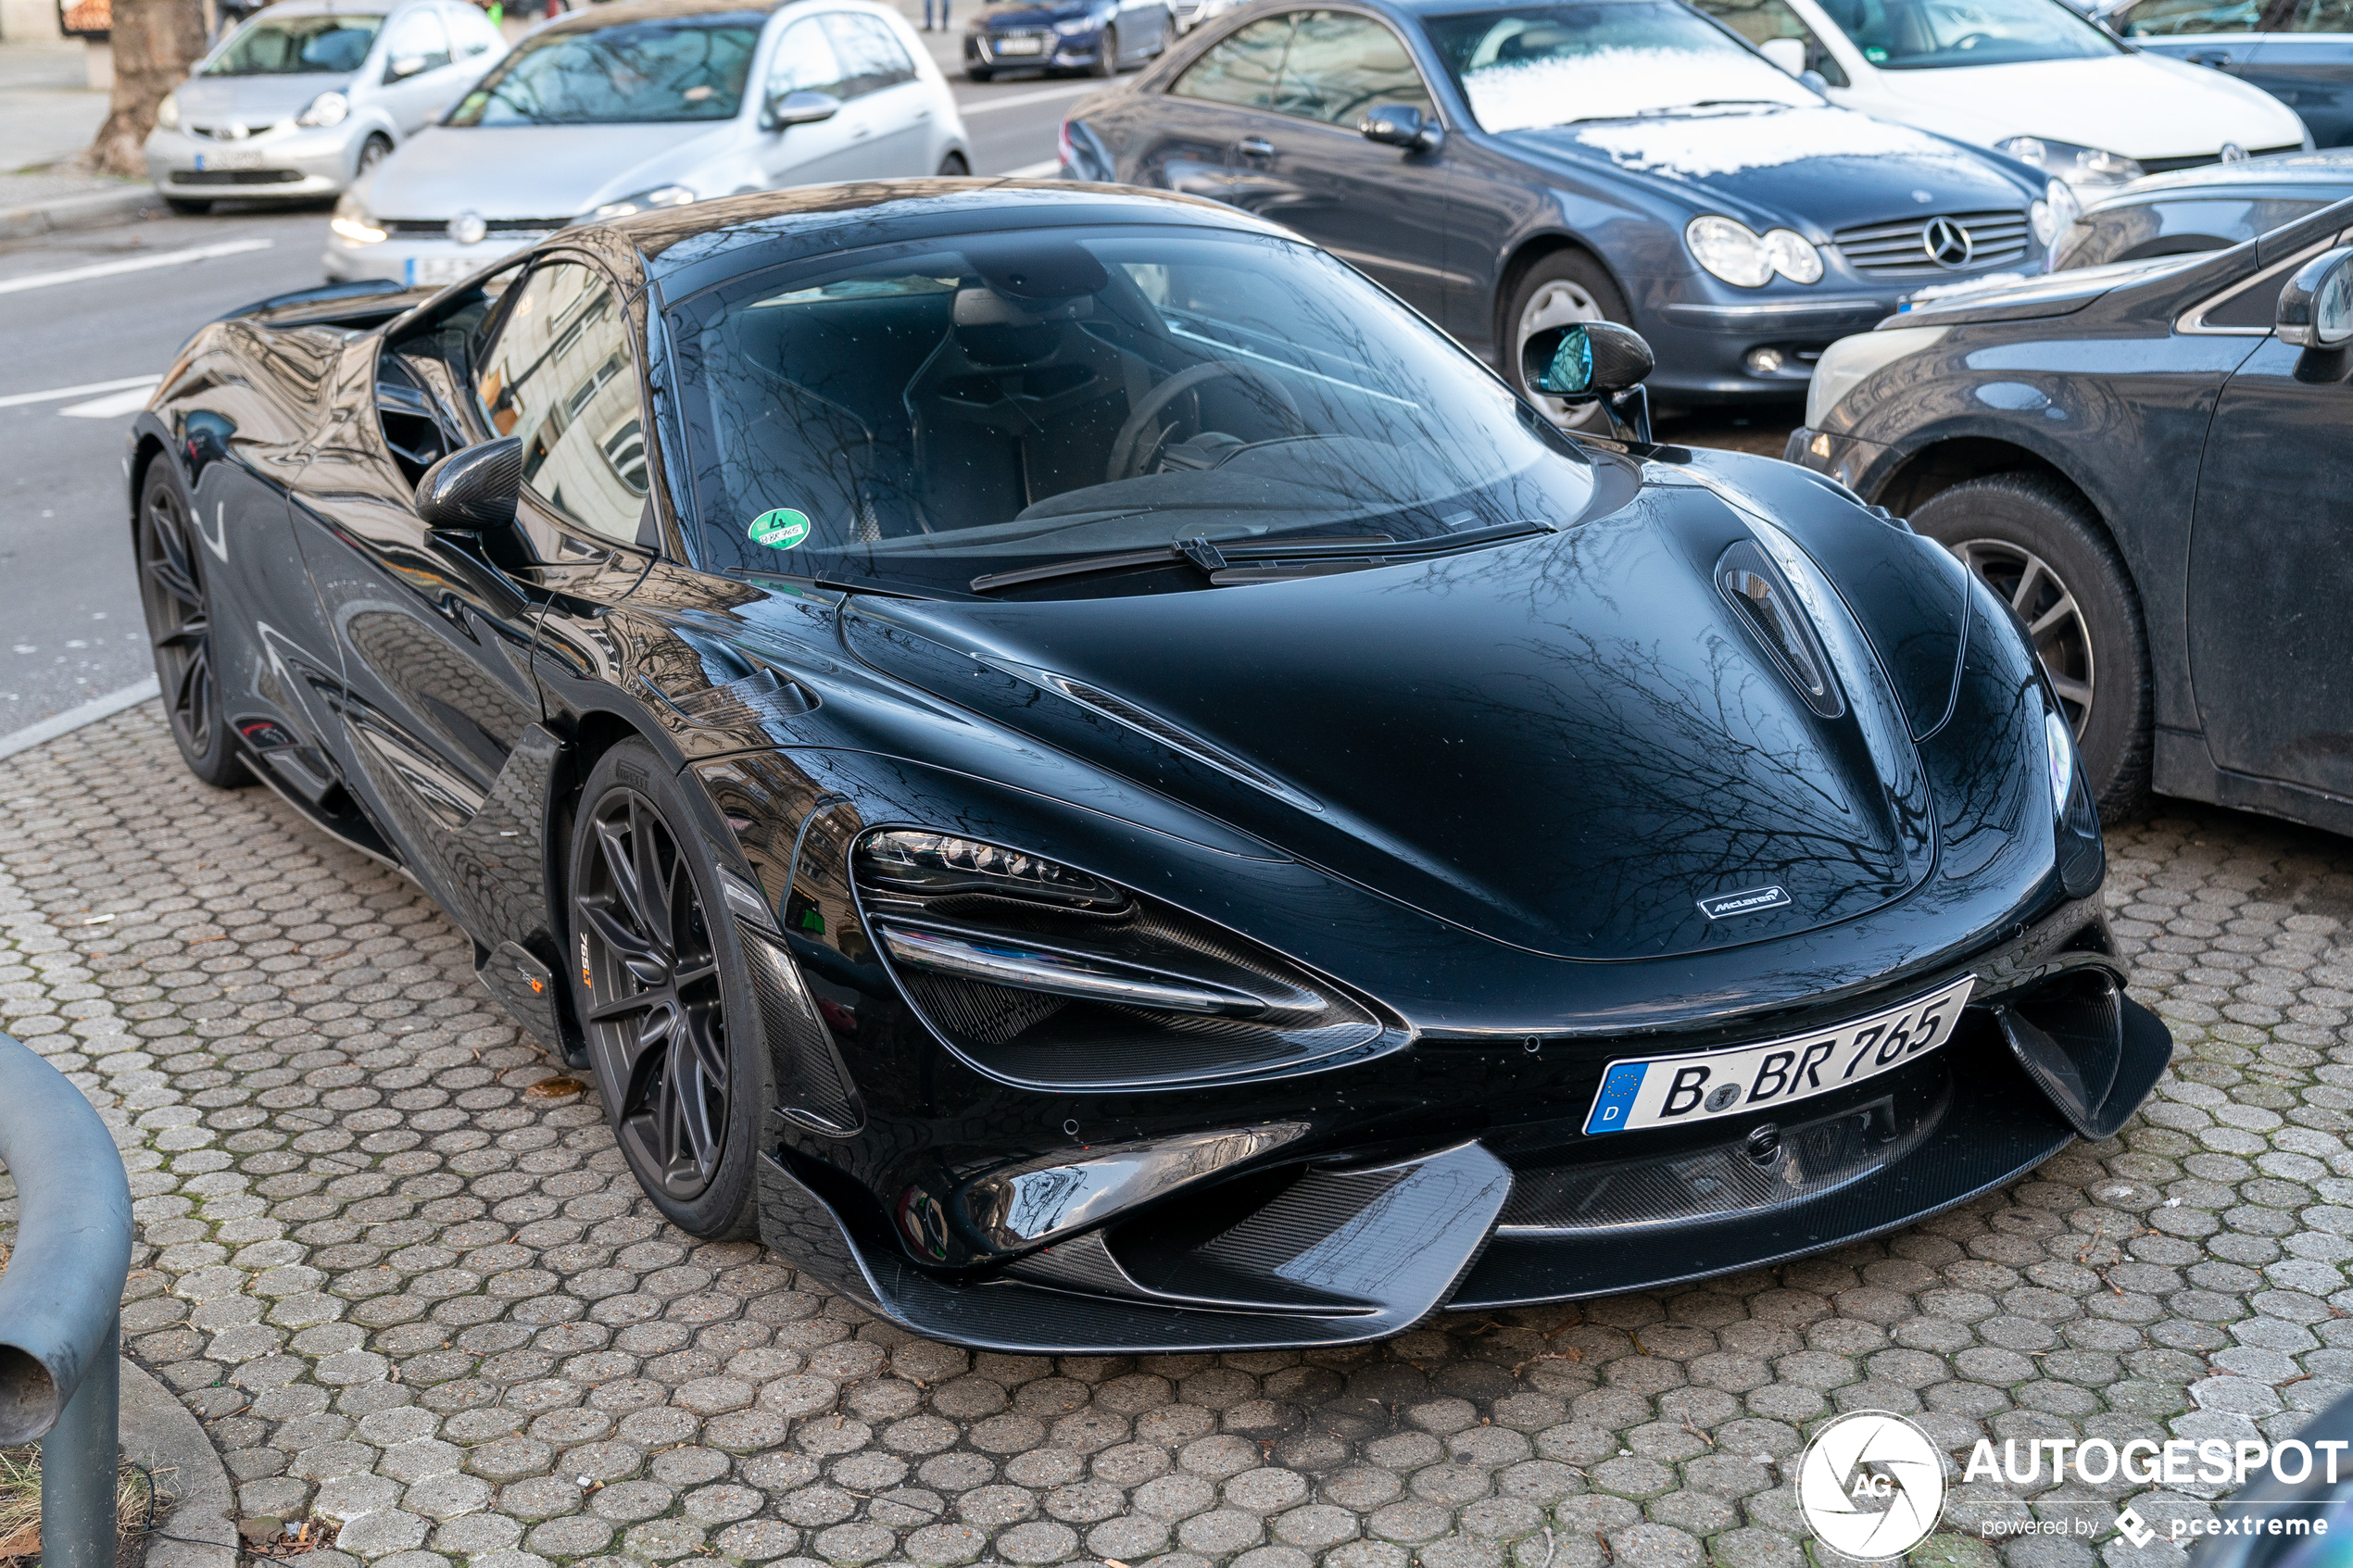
308	97
647	103
2029	78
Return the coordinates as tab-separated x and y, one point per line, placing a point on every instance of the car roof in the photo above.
619	12
336	7
2326	169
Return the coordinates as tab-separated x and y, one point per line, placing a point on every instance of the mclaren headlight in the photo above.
2067	161
2058	748
1046	974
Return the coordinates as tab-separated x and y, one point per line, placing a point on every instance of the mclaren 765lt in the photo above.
1082	770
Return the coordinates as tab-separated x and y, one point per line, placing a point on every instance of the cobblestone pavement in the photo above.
414	1296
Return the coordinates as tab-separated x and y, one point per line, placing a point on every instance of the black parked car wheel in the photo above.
978	73
954	167
178	611
1565	286
187	208
664	996
2037	545
1107	58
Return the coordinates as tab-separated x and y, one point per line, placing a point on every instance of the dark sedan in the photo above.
2147	460
1104	786
2210	208
1100	37
1509	170
2299	51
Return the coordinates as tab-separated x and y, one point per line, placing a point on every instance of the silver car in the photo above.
308	97
649	104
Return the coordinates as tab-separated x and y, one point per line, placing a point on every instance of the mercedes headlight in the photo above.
1844	365
2059	746
328	108
2075	165
352	222
1047	975
1739	256
2052	215
167	112
646	201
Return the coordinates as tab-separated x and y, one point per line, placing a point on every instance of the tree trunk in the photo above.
154	43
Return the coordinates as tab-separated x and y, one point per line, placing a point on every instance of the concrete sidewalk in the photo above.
50	111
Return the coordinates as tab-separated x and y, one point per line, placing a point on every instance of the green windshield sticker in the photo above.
781	529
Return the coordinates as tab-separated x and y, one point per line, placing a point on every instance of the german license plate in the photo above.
242	157
1020	47
432	271
1675	1091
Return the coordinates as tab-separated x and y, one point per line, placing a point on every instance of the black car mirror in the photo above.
473	489
1592	363
2316	308
1401	125
798	109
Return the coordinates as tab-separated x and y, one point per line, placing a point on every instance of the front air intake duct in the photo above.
2069	1034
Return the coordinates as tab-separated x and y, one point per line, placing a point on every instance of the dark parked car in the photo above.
1509	170
1107	787
2210	208
2299	51
2153	474
1100	37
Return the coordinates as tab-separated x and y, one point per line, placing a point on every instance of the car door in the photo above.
414	61
888	105
804	60
2270	642
2307	63
1183	140
2225	35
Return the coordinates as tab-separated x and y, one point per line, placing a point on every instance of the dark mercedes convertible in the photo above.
1079	769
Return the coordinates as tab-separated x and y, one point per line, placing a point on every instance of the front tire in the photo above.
1565	286
664	996
954	167
187	208
2041	548
1107	57
372	152
978	73
178	606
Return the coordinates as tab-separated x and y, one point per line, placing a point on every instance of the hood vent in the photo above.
1764	601
1121	711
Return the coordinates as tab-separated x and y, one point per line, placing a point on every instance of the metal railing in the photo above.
60	1303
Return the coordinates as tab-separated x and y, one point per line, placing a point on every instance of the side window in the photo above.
471	32
870	52
1341	64
1244	69
417	43
805	62
560	377
2179	19
1761	21
2321	15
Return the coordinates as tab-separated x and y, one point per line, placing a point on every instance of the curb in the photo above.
97	210
72	719
159	1432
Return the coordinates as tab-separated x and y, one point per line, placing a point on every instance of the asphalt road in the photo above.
69	619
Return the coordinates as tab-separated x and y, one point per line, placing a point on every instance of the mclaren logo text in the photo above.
1724	906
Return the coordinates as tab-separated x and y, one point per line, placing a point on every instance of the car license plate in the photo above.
1675	1091
240	157
432	271
1020	46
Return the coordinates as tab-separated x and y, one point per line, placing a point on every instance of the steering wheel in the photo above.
1130	454
1970	39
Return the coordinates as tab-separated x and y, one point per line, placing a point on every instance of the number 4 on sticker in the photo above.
779	530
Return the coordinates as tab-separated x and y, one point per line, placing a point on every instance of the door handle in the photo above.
1255	146
2214	57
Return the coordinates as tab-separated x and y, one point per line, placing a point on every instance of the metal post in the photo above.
78	1466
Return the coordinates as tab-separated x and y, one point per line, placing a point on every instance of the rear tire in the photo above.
2041	548
1107	57
1567	285
664	996
187	208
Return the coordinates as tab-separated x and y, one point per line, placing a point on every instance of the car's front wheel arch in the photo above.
1530	253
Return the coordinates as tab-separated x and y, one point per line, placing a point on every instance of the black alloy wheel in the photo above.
178	613
662	985
1107	57
2042	549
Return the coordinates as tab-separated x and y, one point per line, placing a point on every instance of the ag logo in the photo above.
1871	1485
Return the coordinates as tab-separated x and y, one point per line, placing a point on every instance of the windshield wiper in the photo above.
1266	560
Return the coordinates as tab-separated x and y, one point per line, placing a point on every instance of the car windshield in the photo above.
1937	35
930	417
298	47
1615	59
632	72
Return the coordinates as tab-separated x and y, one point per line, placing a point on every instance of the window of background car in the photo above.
2127	231
805	62
417	43
297	45
631	72
1244	71
1937	35
1609	59
1761	21
871	58
922	414
2321	16
559	377
1340	65
471	32
2176	18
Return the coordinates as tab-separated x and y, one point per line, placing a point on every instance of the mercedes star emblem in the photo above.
1946	243
2233	153
467	228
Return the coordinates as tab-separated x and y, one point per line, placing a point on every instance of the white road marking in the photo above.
112	406
74	717
1015	100
59	394
1033	170
129	264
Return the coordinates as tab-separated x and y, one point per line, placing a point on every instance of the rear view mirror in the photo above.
474	489
1401	125
1787	52
798	109
2316	308
1592	363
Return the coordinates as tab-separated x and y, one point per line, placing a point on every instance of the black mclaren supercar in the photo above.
1085	772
